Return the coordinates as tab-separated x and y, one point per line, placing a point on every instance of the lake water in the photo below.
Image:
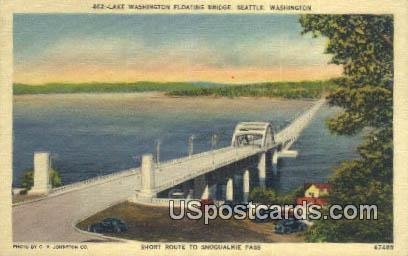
90	135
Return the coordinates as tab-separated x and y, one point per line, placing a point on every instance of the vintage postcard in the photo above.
203	127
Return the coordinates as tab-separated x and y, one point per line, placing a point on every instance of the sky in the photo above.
225	48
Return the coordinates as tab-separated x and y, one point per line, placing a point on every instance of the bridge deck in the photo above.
169	175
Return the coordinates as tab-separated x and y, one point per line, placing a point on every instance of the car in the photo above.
176	194
289	226
108	225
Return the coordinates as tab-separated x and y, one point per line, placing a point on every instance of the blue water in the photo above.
90	135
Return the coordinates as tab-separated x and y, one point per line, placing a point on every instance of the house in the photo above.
317	189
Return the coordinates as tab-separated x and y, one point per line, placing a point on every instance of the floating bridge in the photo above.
52	217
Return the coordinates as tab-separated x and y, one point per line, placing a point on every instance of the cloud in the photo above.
116	58
87	50
276	52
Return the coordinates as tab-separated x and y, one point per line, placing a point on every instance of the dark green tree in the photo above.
363	45
27	180
263	195
299	192
270	196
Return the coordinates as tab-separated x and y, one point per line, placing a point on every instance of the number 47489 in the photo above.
383	247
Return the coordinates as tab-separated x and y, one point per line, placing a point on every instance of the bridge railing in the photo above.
194	156
286	137
187	172
290	133
166	201
133	171
95	180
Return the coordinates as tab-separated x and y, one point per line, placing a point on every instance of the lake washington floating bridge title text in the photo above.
201	7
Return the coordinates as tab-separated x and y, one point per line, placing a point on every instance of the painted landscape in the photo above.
300	110
285	90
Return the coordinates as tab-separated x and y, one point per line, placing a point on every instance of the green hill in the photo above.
289	90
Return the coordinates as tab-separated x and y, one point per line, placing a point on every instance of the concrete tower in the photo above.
42	169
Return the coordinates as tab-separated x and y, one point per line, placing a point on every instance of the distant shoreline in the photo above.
148	95
276	90
152	94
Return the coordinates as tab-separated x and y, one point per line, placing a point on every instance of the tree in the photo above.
363	45
263	195
299	192
269	196
27	180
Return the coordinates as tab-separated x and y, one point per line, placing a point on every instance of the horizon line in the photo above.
172	82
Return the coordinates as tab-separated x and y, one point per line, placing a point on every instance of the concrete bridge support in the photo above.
275	162
147	172
206	192
262	169
42	169
190	194
212	180
201	189
245	186
229	193
212	191
187	188
237	188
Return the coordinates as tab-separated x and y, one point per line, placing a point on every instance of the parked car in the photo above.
176	194
289	226
108	225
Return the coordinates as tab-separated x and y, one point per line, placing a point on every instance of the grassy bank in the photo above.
99	87
288	90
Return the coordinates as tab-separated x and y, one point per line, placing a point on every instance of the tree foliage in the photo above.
263	195
27	180
269	196
363	45
287	90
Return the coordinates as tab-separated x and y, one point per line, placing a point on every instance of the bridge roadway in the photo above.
52	218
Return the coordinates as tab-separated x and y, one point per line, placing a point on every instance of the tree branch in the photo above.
387	40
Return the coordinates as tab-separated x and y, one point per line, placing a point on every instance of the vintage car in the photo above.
289	226
108	225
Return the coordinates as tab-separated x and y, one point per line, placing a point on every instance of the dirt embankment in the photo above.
147	223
